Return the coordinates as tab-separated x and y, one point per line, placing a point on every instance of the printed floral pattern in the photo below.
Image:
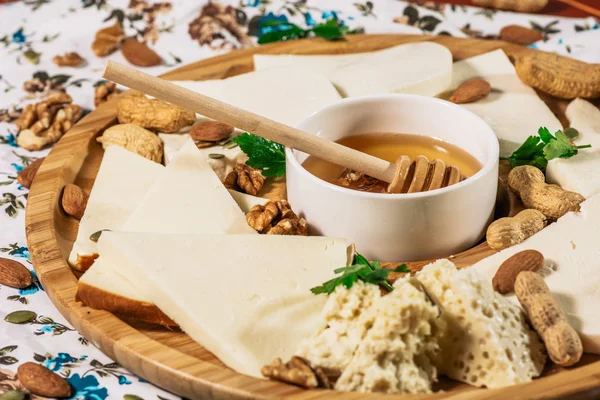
32	32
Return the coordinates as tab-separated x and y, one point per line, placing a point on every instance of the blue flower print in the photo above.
11	140
17	167
310	21
19	36
56	363
34	287
329	15
253	3
123	380
87	388
272	28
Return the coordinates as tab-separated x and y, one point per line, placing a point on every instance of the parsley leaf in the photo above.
361	269
263	154
538	150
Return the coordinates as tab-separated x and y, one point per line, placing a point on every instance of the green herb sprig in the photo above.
263	154
361	269
538	150
283	30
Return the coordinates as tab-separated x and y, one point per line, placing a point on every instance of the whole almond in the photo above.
43	382
139	54
471	91
526	260
26	175
520	35
74	201
14	274
210	131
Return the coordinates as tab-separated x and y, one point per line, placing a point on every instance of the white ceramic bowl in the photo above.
399	227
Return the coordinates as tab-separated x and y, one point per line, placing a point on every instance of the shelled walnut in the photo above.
104	92
70	59
297	371
276	218
43	123
245	179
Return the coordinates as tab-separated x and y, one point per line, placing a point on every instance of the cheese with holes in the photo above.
486	340
513	110
344	326
245	298
394	354
580	173
121	183
572	271
418	68
286	95
222	166
188	198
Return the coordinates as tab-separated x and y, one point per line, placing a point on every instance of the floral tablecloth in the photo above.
32	32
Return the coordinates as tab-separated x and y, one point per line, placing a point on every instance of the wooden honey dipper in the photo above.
403	176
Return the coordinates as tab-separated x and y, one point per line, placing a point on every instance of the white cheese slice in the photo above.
101	287
580	173
188	198
286	95
121	183
419	68
513	110
173	142
570	247
486	340
245	298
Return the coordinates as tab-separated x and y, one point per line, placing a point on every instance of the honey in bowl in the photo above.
389	146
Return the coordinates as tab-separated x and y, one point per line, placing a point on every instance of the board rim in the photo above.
198	378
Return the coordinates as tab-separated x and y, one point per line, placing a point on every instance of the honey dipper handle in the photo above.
211	108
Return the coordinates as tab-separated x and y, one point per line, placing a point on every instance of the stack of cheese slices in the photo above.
175	241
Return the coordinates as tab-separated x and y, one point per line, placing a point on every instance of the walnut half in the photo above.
297	371
276	218
245	179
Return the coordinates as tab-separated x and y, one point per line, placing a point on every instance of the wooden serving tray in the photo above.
169	358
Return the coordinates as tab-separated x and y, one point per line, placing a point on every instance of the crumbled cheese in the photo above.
334	346
394	355
487	341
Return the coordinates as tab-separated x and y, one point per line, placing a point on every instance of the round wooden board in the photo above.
170	359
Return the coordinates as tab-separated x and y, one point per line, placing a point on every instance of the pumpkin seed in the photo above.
224	142
12	395
94	237
231	145
216	156
571	133
132	397
20	317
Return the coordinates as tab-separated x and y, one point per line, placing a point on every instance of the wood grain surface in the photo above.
169	358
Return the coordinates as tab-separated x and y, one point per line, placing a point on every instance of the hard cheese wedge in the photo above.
513	110
245	298
581	173
121	183
188	198
286	95
570	246
419	68
102	287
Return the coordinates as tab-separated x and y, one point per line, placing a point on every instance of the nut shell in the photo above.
526	260
210	131
26	175
14	274
509	231
43	382
153	114
135	139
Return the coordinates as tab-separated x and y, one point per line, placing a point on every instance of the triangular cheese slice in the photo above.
121	183
419	68
513	110
188	198
246	298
